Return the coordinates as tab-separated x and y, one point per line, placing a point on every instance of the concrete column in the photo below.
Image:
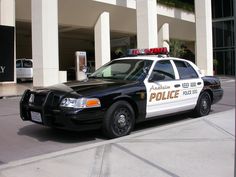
234	45
7	12
7	18
164	36
102	40
146	14
204	49
45	42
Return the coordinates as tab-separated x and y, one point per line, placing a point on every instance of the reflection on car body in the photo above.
124	92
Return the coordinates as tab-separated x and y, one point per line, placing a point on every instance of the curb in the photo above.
10	96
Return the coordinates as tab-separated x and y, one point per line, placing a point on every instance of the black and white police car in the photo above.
122	93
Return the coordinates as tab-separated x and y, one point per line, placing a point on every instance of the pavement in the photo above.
190	148
13	90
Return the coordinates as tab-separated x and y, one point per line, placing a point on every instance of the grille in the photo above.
39	99
56	100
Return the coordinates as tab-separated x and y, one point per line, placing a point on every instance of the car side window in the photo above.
163	70
27	64
186	71
18	64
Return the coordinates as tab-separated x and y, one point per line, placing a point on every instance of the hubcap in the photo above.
122	121
204	104
122	124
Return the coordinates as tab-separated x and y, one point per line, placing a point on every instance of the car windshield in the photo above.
27	64
128	69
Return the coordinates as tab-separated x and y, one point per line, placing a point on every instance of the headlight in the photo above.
80	103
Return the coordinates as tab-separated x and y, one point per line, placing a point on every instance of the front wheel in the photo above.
119	120
203	105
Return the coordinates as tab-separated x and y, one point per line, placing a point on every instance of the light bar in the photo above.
151	51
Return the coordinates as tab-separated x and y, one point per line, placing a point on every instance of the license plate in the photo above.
36	116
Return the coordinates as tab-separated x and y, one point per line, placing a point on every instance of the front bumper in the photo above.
217	95
47	105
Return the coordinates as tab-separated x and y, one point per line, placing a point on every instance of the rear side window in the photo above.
27	64
185	70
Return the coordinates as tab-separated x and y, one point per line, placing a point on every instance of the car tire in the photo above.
119	120
203	105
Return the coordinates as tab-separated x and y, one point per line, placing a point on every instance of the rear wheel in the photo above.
203	105
119	120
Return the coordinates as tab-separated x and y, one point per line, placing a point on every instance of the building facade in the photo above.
223	23
50	32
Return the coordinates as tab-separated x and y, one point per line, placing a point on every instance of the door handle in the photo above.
177	85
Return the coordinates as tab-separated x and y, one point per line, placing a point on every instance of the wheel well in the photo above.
131	102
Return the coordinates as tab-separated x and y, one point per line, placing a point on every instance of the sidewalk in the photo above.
10	90
192	148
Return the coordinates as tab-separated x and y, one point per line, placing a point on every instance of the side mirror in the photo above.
145	70
156	77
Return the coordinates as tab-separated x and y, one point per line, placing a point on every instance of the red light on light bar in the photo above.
135	51
152	51
162	50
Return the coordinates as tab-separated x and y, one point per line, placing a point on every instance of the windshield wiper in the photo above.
92	77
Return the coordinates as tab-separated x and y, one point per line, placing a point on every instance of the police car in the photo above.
122	93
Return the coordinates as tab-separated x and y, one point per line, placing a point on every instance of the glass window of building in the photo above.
223	36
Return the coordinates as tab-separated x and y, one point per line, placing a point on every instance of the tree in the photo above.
179	49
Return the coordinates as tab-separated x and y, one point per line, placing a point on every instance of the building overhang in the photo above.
83	14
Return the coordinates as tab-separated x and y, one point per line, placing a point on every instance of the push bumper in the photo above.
50	114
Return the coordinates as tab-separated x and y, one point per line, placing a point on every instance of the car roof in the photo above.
161	57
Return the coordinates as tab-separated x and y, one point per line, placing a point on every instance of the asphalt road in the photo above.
19	140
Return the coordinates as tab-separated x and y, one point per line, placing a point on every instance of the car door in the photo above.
191	84
163	90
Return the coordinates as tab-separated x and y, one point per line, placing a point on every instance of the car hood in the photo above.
90	86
